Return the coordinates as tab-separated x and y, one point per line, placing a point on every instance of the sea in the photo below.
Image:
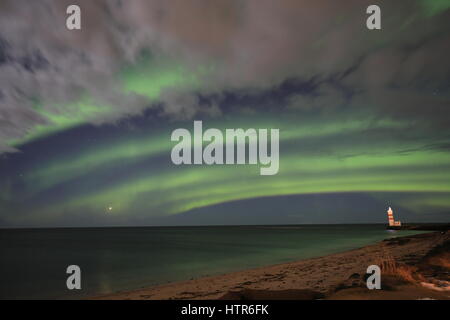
34	262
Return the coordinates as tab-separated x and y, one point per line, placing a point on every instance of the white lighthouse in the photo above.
392	222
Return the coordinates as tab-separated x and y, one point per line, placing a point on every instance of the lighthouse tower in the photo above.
392	222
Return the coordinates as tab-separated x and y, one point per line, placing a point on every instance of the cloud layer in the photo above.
45	69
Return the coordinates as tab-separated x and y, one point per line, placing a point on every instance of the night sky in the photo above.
86	115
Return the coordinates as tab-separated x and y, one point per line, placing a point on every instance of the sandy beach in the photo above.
413	267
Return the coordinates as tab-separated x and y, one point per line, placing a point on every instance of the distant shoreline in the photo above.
425	226
335	276
422	227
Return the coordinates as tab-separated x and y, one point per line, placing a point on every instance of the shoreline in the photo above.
406	274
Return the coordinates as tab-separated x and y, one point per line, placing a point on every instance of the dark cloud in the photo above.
401	70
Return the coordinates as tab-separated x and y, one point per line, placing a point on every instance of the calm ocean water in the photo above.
34	261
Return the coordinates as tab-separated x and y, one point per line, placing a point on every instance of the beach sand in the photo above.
413	267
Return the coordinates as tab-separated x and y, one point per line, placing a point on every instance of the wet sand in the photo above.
413	267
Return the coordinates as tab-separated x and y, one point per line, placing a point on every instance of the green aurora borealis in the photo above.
67	167
317	155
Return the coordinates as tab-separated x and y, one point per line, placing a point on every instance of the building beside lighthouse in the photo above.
392	222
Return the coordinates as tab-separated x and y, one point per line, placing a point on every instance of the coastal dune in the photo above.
412	267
